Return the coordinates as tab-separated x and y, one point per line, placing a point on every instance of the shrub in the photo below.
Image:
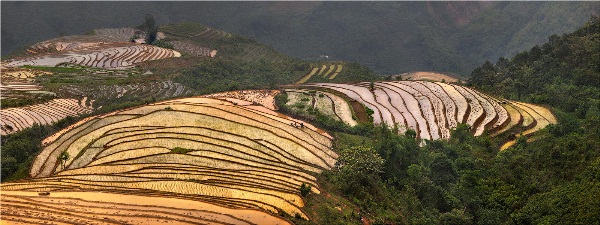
62	158
179	150
281	99
163	44
369	111
410	133
357	168
305	189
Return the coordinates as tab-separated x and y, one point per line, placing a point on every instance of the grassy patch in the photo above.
179	150
55	69
32	99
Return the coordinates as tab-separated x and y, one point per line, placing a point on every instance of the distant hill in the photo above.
563	73
388	37
105	69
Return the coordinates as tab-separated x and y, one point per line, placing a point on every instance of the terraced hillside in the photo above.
310	101
198	40
109	208
101	66
105	67
265	98
428	76
101	55
229	153
19	118
110	48
103	94
432	109
323	72
75	42
193	49
20	83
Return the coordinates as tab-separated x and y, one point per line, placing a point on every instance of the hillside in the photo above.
547	178
563	74
204	126
214	152
558	73
105	70
429	109
387	37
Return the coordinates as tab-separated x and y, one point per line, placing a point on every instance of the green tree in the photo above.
62	158
358	168
410	133
456	217
461	132
360	161
149	26
9	166
305	189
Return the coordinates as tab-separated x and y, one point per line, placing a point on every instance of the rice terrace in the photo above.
171	121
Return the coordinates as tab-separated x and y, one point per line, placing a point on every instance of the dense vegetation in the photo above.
440	36
19	102
210	76
465	180
19	149
561	170
563	73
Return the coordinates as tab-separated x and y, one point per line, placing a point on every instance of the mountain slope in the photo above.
563	166
430	109
213	150
388	37
221	152
545	179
